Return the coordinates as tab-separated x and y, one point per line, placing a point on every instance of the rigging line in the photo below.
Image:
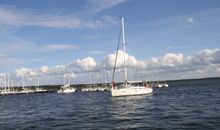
119	39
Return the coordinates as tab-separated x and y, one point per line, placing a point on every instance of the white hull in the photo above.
131	91
40	90
71	90
25	91
162	85
166	85
66	89
7	92
159	85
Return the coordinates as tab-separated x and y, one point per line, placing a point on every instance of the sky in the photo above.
55	40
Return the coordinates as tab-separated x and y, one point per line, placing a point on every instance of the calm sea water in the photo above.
183	105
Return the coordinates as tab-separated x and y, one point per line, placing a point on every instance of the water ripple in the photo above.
190	105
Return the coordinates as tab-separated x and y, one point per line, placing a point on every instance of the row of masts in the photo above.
8	88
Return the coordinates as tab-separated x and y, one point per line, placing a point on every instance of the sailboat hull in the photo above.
66	91
131	91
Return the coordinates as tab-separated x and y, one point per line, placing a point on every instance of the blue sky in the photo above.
56	32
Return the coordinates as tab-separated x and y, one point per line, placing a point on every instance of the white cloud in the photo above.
172	59
57	70
44	69
206	57
110	20
24	72
56	47
96	52
2	55
69	75
205	63
60	67
190	20
100	5
110	60
180	63
86	64
11	16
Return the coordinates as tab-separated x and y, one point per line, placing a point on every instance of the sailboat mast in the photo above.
22	81
123	42
8	80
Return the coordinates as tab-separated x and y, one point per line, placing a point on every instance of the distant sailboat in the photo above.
26	89
37	86
127	88
66	88
9	89
5	91
165	84
160	85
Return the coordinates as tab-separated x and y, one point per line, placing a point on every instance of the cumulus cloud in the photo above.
169	60
86	64
44	69
56	70
205	63
130	60
69	75
24	72
175	63
205	57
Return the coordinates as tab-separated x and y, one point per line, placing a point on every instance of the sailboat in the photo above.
160	85
127	88
8	88
166	85
66	88
37	86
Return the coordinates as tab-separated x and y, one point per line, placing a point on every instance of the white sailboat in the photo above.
127	89
8	89
25	85
165	84
66	88
5	91
37	86
160	85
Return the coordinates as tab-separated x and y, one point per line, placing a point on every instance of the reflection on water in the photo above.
130	98
129	110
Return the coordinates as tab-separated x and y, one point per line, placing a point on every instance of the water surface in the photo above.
184	105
